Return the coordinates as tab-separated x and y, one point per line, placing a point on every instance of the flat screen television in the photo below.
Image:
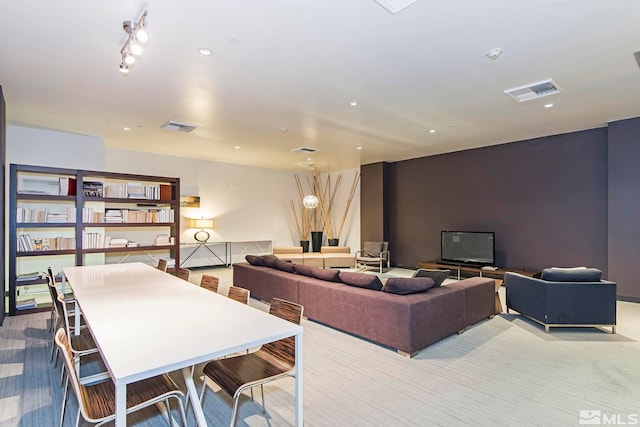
468	247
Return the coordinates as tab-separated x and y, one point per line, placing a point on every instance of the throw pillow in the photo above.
582	274
270	260
303	270
361	280
438	276
406	286
254	260
372	249
327	274
287	266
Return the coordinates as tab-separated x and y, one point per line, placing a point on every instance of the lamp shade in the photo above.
201	223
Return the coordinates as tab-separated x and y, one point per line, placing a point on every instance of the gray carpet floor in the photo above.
503	371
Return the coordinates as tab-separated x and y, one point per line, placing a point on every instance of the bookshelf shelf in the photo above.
32	196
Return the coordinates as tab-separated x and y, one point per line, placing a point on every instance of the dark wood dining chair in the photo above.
239	294
162	264
271	362
209	282
184	274
96	402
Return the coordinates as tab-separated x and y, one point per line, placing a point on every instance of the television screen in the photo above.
468	247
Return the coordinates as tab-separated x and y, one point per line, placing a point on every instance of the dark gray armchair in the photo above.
563	297
373	253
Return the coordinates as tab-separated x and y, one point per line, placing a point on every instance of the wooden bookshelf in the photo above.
164	192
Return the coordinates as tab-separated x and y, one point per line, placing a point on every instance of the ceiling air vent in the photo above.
304	150
395	6
181	127
533	90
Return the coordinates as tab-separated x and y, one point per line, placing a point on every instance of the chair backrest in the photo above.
62	341
239	294
209	282
284	349
61	308
162	264
184	274
374	249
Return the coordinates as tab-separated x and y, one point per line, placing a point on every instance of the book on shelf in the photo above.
162	240
66	186
26	304
92	188
165	192
35	275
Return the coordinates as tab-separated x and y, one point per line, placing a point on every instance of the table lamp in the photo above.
201	235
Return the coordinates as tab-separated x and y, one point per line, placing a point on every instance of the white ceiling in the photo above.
296	64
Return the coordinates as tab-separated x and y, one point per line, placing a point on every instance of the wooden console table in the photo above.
496	275
435	265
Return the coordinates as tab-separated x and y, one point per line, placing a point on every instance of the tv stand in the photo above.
496	274
459	268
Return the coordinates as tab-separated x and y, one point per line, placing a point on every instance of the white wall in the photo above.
43	147
247	203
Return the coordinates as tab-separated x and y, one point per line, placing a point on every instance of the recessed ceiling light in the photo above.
204	51
358	148
284	129
548	105
237	147
126	128
354	103
235	42
432	131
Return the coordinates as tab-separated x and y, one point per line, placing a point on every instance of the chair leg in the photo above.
235	410
78	416
264	408
183	414
64	401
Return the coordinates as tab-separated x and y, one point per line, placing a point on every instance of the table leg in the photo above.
193	396
299	393
121	405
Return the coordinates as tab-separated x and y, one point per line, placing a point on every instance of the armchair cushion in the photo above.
580	274
437	276
361	280
254	259
372	249
406	286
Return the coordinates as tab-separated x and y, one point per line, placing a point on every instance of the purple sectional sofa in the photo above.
406	323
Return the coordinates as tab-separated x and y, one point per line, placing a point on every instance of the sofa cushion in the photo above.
361	280
270	260
372	249
254	259
303	270
325	274
406	285
438	276
579	274
287	266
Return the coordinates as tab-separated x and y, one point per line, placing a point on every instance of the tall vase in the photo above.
316	240
305	245
332	242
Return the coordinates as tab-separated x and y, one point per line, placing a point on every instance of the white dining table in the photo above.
147	322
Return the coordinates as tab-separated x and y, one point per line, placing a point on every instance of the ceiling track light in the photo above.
137	35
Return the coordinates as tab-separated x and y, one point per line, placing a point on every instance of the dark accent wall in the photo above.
624	206
3	157
374	193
